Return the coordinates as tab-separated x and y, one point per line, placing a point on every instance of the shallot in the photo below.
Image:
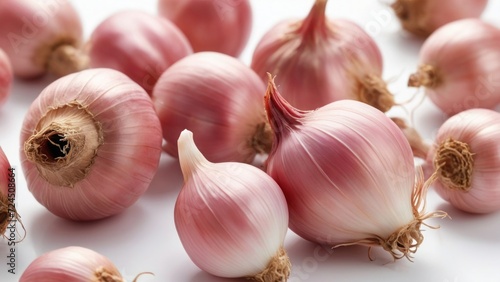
138	44
466	155
211	25
220	100
356	182
423	17
318	60
41	37
91	144
459	65
6	77
72	264
231	217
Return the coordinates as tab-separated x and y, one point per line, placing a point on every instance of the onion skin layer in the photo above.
104	178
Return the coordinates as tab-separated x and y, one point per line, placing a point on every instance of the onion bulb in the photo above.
356	182
220	100
211	25
317	61
72	264
231	217
91	144
458	64
466	155
423	17
41	37
138	44
6	77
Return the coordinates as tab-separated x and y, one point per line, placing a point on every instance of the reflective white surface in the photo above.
143	238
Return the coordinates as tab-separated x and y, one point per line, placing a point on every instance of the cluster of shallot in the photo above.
144	84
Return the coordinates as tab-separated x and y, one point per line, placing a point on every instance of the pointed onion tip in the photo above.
189	154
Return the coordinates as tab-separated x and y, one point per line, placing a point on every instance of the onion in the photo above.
318	61
138	44
423	17
220	100
41	37
458	66
91	144
466	155
211	25
6	77
356	182
72	264
232	218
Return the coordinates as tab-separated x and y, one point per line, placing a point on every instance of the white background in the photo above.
143	238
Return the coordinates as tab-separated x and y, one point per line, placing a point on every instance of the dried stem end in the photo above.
104	275
64	144
404	242
373	91
454	162
278	269
66	59
411	14
426	76
262	140
419	148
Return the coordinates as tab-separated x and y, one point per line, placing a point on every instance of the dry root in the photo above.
8	214
411	14
373	91
404	242
426	76
454	162
278	269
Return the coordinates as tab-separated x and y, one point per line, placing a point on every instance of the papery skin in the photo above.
69	264
30	29
6	77
465	57
480	129
232	218
317	60
346	170
138	44
211	25
216	97
423	17
125	162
